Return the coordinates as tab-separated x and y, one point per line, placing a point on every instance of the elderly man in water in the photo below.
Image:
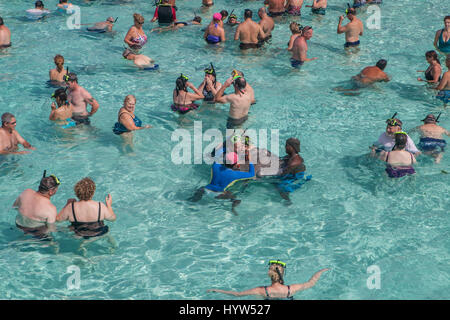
10	138
36	213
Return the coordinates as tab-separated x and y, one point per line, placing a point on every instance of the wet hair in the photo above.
1	21
381	64
294	143
180	84
138	18
58	57
197	19
433	55
72	77
240	83
38	4
446	18
61	94
276	273
129	97
248	13
351	11
47	184
295	28
6	117
400	141
85	189
224	14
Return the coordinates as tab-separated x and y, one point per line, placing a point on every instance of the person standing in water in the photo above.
431	137
353	30
59	72
442	38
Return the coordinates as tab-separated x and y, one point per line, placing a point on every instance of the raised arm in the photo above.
340	28
219	97
303	286
109	215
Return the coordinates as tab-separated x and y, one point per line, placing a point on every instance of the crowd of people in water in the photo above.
71	102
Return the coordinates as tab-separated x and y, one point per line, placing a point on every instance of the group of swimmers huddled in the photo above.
36	212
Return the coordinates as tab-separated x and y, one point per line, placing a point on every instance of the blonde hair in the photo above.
138	18
276	273
85	189
127	98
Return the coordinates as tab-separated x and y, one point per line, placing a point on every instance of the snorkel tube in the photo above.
437	119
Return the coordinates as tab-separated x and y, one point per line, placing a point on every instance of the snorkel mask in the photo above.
392	121
278	262
55	178
210	70
182	76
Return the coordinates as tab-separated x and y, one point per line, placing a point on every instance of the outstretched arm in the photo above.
251	292
309	284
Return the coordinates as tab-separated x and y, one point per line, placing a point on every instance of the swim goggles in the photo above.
236	77
278	262
236	139
392	121
210	70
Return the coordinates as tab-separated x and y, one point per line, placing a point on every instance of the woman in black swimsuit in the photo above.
433	73
277	290
210	86
86	216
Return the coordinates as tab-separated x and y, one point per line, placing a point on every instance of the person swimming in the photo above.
277	290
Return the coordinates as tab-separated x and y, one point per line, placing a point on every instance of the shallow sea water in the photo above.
348	218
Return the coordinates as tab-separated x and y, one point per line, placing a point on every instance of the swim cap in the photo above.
232	157
217	16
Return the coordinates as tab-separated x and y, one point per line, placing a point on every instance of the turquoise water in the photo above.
349	217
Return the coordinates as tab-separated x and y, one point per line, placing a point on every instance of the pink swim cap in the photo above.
217	16
232	158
